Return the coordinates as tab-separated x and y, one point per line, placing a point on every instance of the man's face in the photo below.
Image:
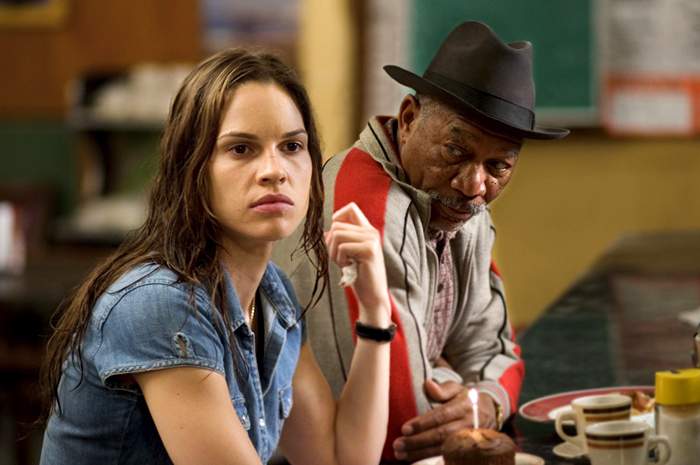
462	166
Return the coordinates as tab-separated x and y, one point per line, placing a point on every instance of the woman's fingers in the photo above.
350	252
338	237
350	226
353	239
351	213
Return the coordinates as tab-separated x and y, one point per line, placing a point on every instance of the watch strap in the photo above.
374	333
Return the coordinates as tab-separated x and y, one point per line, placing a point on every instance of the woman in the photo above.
187	346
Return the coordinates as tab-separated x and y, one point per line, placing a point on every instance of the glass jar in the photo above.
677	411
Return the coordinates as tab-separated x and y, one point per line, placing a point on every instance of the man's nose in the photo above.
471	180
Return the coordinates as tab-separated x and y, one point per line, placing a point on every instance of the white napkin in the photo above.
692	317
349	274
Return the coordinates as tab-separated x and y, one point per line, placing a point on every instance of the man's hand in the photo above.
423	435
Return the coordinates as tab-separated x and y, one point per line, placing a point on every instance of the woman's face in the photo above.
261	168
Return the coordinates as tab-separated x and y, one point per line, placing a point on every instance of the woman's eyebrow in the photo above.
242	135
247	135
296	132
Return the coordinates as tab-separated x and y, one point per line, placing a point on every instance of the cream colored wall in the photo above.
571	199
328	50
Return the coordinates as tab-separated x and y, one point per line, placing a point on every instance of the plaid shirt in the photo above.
443	305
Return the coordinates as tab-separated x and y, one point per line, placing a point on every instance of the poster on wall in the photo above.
270	24
652	67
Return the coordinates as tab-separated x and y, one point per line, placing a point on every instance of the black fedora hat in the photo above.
484	78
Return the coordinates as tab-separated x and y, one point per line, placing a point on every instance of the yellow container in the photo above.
678	387
678	413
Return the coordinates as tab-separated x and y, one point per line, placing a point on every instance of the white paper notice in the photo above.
651	66
652	110
652	36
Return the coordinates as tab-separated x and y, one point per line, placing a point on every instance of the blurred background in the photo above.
86	84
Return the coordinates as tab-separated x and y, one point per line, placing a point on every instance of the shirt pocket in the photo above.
241	411
285	402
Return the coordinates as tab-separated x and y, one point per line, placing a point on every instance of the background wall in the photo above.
570	200
329	59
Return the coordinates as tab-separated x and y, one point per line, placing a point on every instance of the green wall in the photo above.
40	152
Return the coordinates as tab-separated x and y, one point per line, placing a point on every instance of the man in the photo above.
424	180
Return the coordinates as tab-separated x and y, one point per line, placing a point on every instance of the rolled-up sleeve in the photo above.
156	326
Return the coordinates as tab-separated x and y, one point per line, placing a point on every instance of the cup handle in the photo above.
558	425
664	447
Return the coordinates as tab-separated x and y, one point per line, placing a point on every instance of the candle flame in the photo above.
473	395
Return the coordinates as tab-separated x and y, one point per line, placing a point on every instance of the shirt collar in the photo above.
275	294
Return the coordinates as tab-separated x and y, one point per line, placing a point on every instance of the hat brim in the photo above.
425	86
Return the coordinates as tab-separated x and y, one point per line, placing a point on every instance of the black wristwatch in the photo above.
375	334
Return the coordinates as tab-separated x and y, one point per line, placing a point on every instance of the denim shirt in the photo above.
148	321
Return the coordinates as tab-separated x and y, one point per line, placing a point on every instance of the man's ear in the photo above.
408	114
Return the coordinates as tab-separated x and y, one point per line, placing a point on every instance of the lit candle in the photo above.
474	397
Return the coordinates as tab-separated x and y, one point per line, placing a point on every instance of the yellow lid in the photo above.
678	387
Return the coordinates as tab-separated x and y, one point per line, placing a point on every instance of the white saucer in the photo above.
567	450
521	458
647	417
554	413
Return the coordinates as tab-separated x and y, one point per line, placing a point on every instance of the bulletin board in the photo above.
562	33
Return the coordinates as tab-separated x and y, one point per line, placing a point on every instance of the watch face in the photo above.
499	415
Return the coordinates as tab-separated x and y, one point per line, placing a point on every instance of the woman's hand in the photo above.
361	413
353	239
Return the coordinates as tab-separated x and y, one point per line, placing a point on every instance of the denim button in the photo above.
240	405
261	422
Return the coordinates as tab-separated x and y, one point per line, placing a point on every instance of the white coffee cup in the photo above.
590	410
625	442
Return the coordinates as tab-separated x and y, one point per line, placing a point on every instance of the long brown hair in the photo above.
181	232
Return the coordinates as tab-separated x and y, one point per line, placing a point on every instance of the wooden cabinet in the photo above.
97	36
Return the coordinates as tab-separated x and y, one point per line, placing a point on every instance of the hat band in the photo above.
491	105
